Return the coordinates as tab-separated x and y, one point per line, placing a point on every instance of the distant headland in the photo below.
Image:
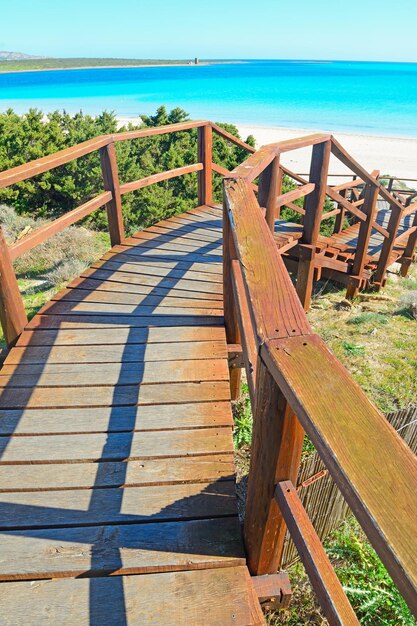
20	62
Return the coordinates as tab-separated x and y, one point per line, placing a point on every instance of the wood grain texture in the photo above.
382	497
120	549
325	583
115	419
146	472
275	307
68	508
117	446
207	597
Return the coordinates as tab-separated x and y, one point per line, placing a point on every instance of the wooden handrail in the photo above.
43	233
157	178
312	383
51	161
326	585
226	135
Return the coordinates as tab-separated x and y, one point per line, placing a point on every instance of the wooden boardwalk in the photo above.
118	500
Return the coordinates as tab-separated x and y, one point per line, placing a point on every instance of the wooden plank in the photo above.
117	446
276	309
201	272
159	267
163	393
325	583
186	232
115	419
120	288
135	335
106	308
159	238
202	598
62	375
382	497
170	300
146	472
115	354
140	278
48	509
159	177
62	322
125	549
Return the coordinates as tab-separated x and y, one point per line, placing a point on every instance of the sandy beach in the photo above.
395	156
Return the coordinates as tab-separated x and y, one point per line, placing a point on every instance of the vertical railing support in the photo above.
277	442
12	310
409	251
270	182
340	217
313	206
229	303
388	245
111	183
365	228
205	156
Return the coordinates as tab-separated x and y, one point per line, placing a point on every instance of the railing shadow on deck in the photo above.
113	601
290	372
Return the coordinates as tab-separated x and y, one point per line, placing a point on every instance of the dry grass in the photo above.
44	270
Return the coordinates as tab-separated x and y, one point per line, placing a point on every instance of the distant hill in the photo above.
17	56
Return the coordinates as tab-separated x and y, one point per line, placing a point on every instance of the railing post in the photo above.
205	156
387	246
229	304
409	251
111	183
270	183
313	206
12	310
340	218
365	228
277	443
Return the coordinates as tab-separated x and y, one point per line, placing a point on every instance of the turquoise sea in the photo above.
359	97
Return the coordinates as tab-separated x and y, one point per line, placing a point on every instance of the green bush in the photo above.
33	135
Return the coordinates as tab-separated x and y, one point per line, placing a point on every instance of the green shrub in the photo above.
33	135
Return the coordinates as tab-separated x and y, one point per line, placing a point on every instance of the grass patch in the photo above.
371	591
242	417
375	339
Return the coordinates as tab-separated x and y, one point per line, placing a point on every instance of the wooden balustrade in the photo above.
295	383
299	385
12	315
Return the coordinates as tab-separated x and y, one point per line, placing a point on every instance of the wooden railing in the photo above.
296	385
12	312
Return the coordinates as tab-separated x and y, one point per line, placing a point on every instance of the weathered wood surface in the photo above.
116	452
323	578
200	597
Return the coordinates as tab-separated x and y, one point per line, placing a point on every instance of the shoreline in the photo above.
113	67
394	156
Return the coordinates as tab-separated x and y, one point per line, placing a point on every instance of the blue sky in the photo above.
303	29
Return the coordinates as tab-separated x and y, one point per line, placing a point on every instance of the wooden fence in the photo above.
320	495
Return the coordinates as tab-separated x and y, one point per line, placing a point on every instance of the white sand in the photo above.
391	155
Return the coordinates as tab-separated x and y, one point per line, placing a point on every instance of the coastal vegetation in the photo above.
32	64
33	135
